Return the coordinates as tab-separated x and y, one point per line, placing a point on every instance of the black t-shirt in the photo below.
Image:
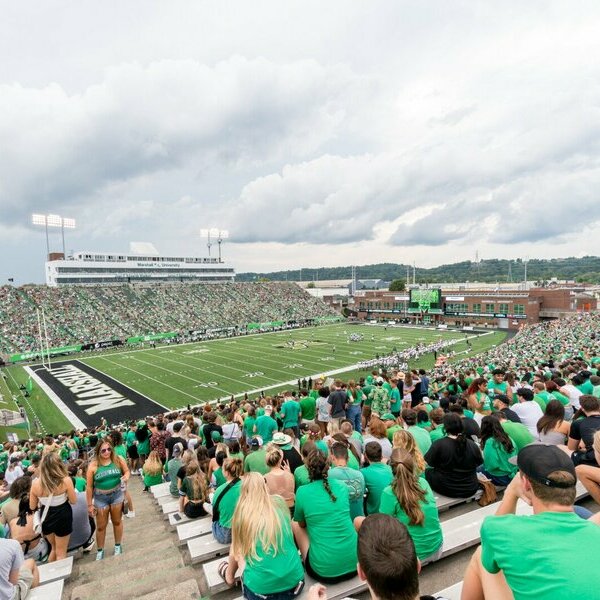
207	430
338	400
584	429
454	471
170	444
293	457
510	415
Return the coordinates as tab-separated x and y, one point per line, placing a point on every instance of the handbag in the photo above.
216	514
39	517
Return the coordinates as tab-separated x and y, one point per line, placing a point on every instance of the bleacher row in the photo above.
460	533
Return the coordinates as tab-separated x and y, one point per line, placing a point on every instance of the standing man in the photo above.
337	401
266	425
290	414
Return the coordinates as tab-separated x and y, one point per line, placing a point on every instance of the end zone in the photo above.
85	395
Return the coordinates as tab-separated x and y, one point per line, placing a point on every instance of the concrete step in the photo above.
132	583
186	590
131	558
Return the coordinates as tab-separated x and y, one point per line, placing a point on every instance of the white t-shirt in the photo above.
11	559
530	413
573	393
12	474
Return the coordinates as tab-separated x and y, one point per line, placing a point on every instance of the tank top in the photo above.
107	477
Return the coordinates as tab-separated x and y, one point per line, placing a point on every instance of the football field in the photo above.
126	384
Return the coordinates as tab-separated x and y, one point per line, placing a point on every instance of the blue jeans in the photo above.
353	414
582	511
499	480
287	595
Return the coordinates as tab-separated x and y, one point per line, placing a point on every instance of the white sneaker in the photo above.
130	514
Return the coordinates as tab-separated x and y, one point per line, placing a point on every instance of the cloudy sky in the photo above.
317	133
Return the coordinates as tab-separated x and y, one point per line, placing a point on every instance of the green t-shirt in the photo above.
377	477
366	390
290	413
80	484
308	404
256	461
561	398
428	536
130	438
150	480
422	438
249	423
172	467
229	502
187	489
219	477
301	476
273	572
391	431
495	458
518	433
355	482
437	434
329	527
395	400
121	450
266	426
587	387
525	549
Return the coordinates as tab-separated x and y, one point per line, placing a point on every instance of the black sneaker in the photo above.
89	545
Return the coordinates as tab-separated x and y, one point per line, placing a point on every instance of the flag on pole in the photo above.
29	385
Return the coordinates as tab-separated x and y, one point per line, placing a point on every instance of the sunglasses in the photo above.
104	450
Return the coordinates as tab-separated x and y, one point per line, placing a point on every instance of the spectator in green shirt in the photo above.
377	476
266	425
497	448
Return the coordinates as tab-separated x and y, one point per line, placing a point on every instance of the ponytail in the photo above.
405	486
317	467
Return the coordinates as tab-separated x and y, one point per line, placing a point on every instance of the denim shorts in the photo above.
111	499
222	534
287	595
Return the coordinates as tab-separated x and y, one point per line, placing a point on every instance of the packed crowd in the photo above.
314	480
89	314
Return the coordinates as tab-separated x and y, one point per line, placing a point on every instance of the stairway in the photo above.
150	568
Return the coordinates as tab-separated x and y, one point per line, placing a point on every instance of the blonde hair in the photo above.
233	467
197	478
274	455
405	486
221	447
256	519
405	441
153	465
52	472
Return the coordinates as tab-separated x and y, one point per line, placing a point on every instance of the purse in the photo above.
39	517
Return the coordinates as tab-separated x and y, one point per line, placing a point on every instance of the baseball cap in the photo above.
178	449
388	417
503	398
268	408
215	436
538	461
256	442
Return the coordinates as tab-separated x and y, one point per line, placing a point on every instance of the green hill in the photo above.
586	269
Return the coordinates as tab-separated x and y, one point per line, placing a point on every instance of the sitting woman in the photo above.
453	460
225	500
279	479
213	465
552	427
497	449
409	499
406	441
217	479
377	432
33	544
322	526
152	471
262	541
193	492
478	400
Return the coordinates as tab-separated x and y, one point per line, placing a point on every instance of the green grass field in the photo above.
177	375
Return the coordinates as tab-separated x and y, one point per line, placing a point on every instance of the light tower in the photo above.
222	235
53	221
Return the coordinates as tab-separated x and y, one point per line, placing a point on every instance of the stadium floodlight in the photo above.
53	221
221	235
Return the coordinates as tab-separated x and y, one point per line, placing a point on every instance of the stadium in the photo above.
381	381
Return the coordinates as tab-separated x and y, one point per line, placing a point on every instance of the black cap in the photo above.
503	398
537	461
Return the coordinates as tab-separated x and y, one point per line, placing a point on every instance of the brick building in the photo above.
502	309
